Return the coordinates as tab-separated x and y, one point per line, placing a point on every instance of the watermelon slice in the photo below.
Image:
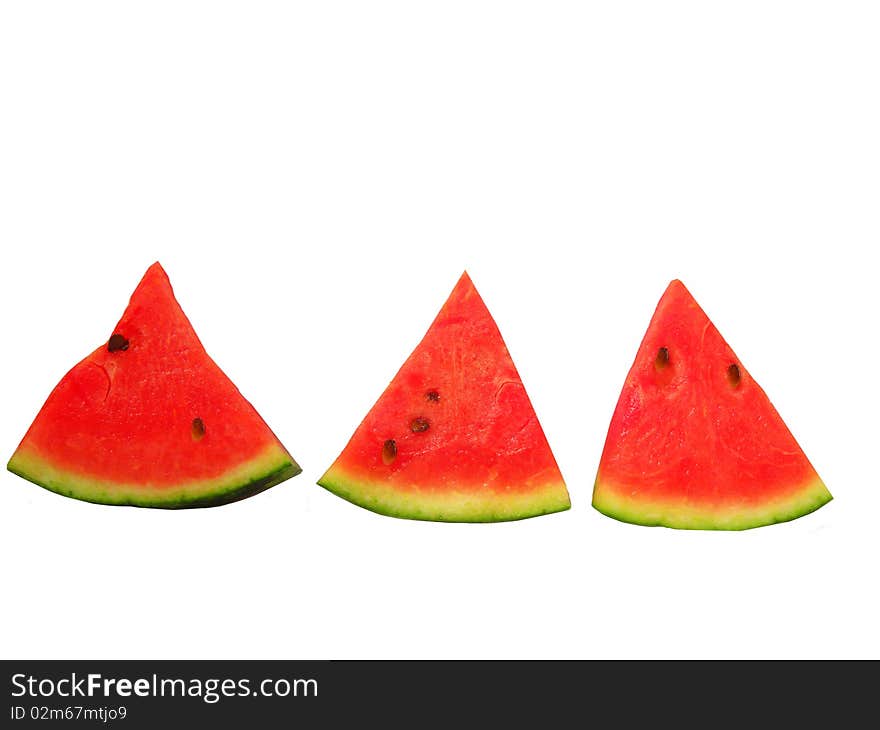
148	419
454	437
694	442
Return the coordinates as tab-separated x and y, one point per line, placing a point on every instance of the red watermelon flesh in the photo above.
454	437
148	419
694	442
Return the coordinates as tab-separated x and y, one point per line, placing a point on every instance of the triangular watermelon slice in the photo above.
148	419
454	437
694	442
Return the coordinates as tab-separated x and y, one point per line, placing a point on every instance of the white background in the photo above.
314	177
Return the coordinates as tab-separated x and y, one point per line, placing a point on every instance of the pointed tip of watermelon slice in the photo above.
676	287
464	281
463	291
155	269
154	281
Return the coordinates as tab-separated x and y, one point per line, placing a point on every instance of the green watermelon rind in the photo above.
246	480
418	504
808	498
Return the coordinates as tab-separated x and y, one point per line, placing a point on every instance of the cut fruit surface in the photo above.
454	436
694	442
148	419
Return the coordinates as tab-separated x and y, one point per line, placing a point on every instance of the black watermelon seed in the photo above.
662	359
117	342
389	451
198	428
417	425
432	395
734	375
